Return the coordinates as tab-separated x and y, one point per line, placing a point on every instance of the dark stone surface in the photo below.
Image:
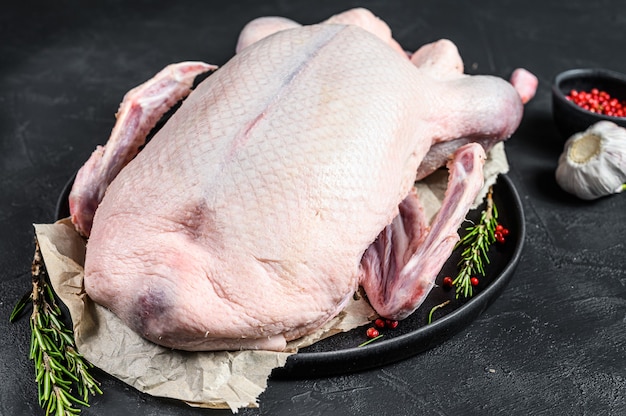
553	343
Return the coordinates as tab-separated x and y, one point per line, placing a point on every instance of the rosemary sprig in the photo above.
59	367
475	246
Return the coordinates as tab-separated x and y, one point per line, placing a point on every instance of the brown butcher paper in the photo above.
205	379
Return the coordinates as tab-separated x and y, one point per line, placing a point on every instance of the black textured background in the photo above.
552	344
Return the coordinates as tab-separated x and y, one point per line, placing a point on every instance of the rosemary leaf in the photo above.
20	306
369	341
430	314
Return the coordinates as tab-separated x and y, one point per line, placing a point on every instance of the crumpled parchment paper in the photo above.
204	379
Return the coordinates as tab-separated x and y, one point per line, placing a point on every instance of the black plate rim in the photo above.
384	352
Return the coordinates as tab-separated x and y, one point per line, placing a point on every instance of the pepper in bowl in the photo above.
583	97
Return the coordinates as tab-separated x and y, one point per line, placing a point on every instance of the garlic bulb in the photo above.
593	162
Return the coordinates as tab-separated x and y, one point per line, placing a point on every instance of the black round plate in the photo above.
341	353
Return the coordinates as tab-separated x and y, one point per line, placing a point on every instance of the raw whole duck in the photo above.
283	182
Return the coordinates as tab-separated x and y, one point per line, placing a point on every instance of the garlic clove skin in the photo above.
593	162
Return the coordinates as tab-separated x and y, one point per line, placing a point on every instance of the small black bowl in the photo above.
571	118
